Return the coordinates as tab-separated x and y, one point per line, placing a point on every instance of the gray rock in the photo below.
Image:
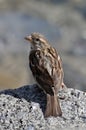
23	108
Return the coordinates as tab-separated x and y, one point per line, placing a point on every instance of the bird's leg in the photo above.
64	86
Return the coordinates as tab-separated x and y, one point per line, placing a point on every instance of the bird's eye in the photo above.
37	39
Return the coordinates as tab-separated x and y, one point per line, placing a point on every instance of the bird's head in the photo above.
37	41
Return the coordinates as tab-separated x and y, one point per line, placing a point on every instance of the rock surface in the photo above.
23	108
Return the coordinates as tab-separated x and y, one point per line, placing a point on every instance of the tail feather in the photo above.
53	106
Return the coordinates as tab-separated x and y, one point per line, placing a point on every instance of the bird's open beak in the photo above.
29	38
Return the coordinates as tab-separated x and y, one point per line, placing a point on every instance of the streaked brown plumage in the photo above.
46	67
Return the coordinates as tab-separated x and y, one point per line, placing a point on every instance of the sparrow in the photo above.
46	67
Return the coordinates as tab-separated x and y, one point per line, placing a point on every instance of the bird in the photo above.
46	66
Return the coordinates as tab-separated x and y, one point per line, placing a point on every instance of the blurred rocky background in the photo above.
63	22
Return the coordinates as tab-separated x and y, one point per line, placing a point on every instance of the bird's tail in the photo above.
53	106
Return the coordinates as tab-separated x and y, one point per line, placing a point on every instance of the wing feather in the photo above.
40	72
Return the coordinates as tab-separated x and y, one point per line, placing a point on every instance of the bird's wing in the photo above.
57	69
40	72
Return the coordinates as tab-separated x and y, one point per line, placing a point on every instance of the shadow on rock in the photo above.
31	93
